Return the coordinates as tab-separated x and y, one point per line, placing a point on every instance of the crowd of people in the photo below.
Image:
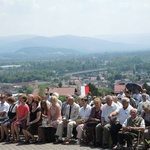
106	121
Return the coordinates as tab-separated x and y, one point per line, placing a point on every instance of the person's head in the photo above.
43	104
146	107
144	90
109	100
97	102
19	95
23	98
37	98
103	94
35	104
67	96
11	100
55	94
121	92
79	100
144	96
112	93
30	98
115	98
70	100
137	91
53	100
44	97
3	98
125	102
85	101
133	112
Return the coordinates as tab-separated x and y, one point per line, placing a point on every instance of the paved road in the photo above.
47	146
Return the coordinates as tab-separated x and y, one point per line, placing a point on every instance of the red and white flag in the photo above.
84	90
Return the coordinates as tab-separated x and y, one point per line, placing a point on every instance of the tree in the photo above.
26	89
98	78
60	84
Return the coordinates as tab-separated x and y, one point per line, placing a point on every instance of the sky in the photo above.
74	17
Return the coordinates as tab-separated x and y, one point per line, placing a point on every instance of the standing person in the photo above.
69	121
122	114
11	118
22	115
33	122
131	128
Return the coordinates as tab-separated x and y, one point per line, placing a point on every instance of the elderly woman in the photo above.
11	118
54	116
93	121
146	116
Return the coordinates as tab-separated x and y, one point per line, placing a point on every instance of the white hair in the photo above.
146	105
56	94
125	99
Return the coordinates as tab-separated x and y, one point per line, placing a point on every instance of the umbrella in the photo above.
133	86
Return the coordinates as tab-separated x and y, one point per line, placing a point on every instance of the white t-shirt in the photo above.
107	110
4	108
123	114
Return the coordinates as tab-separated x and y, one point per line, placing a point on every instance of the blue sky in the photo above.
74	17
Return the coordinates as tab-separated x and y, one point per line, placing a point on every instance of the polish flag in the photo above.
84	90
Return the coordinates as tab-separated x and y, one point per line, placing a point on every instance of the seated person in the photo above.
11	118
130	129
146	116
4	107
54	116
116	123
21	118
84	113
33	122
69	121
93	120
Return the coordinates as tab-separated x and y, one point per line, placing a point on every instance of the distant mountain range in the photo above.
28	45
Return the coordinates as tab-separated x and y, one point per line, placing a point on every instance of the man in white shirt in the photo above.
105	125
122	114
131	127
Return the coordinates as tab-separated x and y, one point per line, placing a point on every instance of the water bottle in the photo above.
44	123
